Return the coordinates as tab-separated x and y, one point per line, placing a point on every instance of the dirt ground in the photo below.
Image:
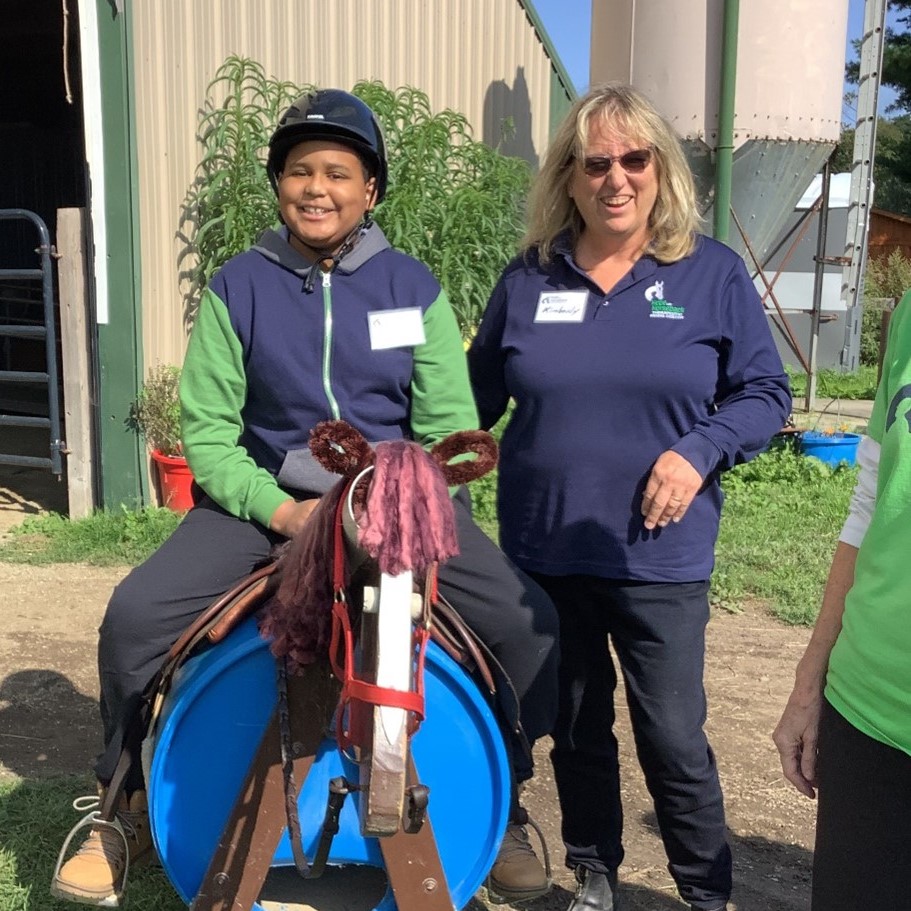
49	726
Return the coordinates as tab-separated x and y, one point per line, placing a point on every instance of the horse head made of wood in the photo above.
403	513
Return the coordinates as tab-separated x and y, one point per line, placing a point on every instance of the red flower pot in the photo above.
174	481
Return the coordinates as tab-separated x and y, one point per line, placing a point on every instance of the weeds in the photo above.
779	526
831	384
103	539
453	202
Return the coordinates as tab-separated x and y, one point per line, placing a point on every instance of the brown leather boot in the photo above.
517	874
96	874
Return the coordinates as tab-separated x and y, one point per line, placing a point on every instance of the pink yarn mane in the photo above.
298	615
409	521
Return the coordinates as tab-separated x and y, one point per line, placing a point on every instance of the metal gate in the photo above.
23	315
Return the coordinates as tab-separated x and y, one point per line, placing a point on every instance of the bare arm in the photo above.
797	732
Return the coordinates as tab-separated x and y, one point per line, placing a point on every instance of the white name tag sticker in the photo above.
402	328
561	307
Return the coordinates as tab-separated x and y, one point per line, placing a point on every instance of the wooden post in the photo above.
884	319
77	375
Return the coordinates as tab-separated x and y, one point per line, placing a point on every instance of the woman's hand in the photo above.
292	516
796	736
670	489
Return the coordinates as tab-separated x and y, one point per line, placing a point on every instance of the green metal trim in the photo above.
562	91
724	149
123	472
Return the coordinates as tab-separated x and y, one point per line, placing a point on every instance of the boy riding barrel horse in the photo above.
320	319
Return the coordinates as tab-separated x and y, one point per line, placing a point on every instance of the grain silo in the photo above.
790	58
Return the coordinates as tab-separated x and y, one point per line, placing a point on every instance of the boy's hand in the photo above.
292	516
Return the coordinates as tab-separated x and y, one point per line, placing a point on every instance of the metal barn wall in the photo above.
480	57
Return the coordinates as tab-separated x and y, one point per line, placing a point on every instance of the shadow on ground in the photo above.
46	725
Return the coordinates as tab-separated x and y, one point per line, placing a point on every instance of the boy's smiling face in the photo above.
323	193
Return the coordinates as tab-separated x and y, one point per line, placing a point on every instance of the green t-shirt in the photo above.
869	678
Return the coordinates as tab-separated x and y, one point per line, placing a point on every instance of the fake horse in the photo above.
248	769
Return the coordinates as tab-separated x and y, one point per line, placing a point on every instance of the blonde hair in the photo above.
674	219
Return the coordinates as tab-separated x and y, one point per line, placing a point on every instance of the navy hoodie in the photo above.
279	345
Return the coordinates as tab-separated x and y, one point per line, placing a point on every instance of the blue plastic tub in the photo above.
831	448
211	728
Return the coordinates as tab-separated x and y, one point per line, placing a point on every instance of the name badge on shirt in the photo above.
561	307
402	328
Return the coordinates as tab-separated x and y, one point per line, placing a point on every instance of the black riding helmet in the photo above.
337	116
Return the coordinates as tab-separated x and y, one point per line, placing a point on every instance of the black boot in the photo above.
596	891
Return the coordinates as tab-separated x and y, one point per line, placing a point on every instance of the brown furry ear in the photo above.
339	448
477	441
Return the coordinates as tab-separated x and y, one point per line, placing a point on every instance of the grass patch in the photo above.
103	539
778	530
34	819
779	526
780	523
831	384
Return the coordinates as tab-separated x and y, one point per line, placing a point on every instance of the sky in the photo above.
568	23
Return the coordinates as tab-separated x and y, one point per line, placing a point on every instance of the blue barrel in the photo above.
831	448
210	730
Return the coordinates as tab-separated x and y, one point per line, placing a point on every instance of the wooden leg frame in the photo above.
243	857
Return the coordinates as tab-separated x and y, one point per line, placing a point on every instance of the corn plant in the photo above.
454	203
230	201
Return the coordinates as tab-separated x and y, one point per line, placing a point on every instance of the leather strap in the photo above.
243	857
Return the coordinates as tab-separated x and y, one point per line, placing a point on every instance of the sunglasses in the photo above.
634	162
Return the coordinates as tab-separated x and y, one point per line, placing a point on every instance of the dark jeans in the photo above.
658	633
863	821
211	551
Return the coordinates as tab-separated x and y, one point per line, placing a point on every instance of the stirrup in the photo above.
92	820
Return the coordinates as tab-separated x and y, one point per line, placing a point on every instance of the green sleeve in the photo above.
213	389
441	397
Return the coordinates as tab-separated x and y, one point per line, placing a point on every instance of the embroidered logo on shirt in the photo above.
661	308
902	395
655	292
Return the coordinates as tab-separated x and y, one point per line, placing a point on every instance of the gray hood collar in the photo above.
275	246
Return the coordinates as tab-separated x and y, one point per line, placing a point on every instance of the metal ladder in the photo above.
861	194
42	273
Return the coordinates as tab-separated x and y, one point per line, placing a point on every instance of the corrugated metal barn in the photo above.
99	115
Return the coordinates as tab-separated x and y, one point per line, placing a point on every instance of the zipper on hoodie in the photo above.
327	344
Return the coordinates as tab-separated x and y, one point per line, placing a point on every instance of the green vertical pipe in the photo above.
724	150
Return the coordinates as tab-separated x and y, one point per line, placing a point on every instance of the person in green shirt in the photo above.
845	734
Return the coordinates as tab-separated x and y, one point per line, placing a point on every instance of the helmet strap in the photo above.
333	259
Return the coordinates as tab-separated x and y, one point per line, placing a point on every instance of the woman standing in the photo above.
641	366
